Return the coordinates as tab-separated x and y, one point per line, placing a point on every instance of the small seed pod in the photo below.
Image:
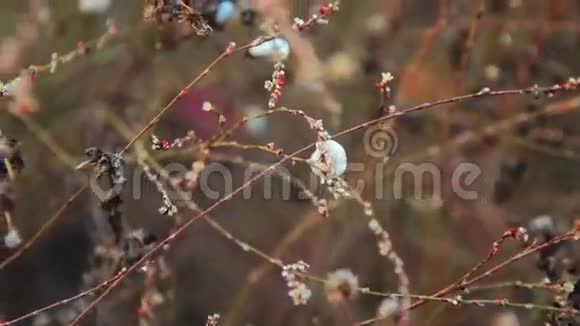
225	11
278	48
338	159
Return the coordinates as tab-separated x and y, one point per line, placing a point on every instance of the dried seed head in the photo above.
388	307
341	285
212	320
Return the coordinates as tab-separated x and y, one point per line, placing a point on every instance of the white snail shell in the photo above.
94	6
226	10
337	157
277	48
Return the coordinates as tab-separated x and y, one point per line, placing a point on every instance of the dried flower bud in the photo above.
168	208
12	239
212	320
300	294
207	106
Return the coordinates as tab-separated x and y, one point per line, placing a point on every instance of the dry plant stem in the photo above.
313	278
470	40
458	300
59	303
308	223
262	148
463	283
45	227
495	248
464	56
66	159
565	153
453	301
482	303
10	170
484	93
97	43
563	107
426	43
237	125
45	137
557	288
214	224
231	49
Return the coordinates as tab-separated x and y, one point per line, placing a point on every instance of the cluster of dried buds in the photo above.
19	90
212	320
299	292
518	233
3	90
209	107
383	239
320	18
167	208
164	145
159	145
383	84
274	86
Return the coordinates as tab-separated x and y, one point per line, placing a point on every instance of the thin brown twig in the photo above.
230	49
45	227
462	283
59	303
533	248
558	288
